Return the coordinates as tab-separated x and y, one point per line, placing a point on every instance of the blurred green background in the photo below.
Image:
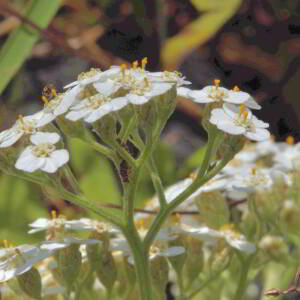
253	44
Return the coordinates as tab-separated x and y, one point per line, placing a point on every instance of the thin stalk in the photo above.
141	261
157	182
243	281
82	284
81	201
163	214
128	129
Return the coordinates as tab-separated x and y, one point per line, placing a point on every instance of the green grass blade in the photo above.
19	44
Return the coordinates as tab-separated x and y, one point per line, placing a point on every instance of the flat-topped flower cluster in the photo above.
96	94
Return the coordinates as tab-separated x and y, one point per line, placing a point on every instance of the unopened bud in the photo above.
69	263
289	216
213	209
220	257
106	270
195	260
275	247
31	283
159	273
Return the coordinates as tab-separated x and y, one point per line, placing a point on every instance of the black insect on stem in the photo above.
124	171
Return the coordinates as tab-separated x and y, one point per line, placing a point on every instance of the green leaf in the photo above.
18	46
215	15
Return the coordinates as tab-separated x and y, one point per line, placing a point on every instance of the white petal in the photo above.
9	137
237	97
42	223
231	128
251	103
28	162
98	113
75	115
259	123
107	88
233	111
201	97
172	251
49	165
160	88
68	99
6	275
135	99
184	92
44	137
46	119
118	103
218	116
60	157
241	245
259	134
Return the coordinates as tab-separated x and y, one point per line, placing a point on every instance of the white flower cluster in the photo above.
97	93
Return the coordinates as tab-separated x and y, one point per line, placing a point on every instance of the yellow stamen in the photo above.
45	100
227	227
53	214
245	114
21	119
144	63
123	68
5	244
135	65
217	83
290	140
236	89
140	224
242	109
193	175
176	218
53	92
253	171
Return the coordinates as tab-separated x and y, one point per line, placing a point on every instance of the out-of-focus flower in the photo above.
216	93
23	126
239	121
42	154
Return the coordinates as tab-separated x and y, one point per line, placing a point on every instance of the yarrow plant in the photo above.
234	214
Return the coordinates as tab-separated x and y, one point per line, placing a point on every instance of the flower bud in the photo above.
69	263
106	270
178	261
220	257
195	260
213	209
275	247
289	216
31	283
159	273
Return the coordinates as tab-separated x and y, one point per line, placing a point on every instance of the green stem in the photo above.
205	283
157	182
81	201
210	151
130	126
197	183
141	262
243	282
83	283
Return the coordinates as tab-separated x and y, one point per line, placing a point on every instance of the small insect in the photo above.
49	92
124	171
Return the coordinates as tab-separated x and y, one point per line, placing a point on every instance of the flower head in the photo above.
42	154
237	121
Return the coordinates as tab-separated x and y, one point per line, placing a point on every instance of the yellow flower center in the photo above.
43	150
230	230
28	127
290	140
97	100
91	73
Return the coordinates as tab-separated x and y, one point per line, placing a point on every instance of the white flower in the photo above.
89	224
287	159
237	121
54	245
45	224
95	107
256	180
157	251
23	126
43	154
216	93
58	105
18	260
226	232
